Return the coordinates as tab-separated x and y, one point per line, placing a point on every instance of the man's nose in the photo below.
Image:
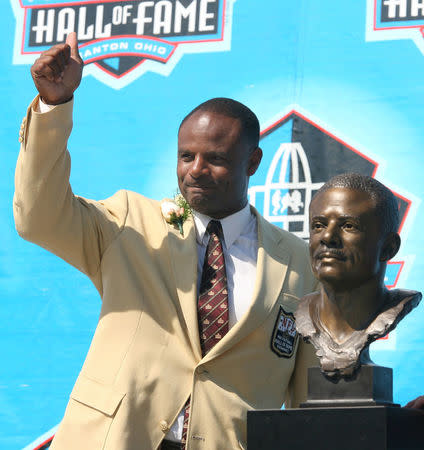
198	167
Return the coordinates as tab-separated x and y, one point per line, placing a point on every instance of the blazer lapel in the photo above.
272	264
184	263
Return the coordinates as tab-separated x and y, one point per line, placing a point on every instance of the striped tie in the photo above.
212	304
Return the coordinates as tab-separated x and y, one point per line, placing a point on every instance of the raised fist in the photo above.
58	71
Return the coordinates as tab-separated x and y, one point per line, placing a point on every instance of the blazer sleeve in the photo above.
305	357
45	209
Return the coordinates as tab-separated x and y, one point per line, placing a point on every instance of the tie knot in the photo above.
214	227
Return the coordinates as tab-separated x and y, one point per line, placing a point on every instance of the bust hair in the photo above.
234	109
386	205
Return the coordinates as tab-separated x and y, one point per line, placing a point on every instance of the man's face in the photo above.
345	238
214	164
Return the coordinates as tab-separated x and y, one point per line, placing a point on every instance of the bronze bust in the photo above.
353	234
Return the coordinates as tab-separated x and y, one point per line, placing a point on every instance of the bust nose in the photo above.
331	236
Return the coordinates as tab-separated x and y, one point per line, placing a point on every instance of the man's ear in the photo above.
254	161
390	247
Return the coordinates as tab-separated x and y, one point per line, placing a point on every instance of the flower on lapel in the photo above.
176	211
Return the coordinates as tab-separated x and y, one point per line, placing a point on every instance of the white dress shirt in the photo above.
42	107
240	249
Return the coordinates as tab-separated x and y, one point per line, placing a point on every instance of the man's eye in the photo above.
317	226
185	156
350	226
218	159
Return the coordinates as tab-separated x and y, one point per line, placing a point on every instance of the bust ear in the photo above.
390	247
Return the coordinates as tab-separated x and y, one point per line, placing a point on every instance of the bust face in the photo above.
345	238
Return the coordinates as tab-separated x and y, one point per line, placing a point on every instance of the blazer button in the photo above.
164	425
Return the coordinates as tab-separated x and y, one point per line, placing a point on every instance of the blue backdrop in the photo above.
334	84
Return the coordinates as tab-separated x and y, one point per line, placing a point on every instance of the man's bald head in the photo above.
234	109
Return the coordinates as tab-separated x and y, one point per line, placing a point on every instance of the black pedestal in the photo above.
355	428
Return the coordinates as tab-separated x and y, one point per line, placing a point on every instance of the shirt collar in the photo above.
232	226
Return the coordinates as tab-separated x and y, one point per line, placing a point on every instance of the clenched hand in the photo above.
58	71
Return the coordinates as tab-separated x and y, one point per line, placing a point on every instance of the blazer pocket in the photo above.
97	396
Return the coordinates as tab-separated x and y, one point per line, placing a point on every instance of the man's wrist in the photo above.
45	101
44	106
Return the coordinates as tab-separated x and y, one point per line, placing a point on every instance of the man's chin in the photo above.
200	203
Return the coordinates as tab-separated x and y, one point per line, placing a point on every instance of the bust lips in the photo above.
330	254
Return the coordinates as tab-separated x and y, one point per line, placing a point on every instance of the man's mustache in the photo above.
200	185
332	253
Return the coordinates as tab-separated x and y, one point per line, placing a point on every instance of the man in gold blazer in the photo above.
145	360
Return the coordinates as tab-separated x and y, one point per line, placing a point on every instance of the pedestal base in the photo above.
372	386
358	428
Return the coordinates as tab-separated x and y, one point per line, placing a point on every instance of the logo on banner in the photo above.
121	40
396	19
302	156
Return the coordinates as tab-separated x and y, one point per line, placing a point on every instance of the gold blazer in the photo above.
145	358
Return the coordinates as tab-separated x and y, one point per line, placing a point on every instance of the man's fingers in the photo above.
72	41
63	57
47	66
417	403
56	66
59	54
43	71
61	51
